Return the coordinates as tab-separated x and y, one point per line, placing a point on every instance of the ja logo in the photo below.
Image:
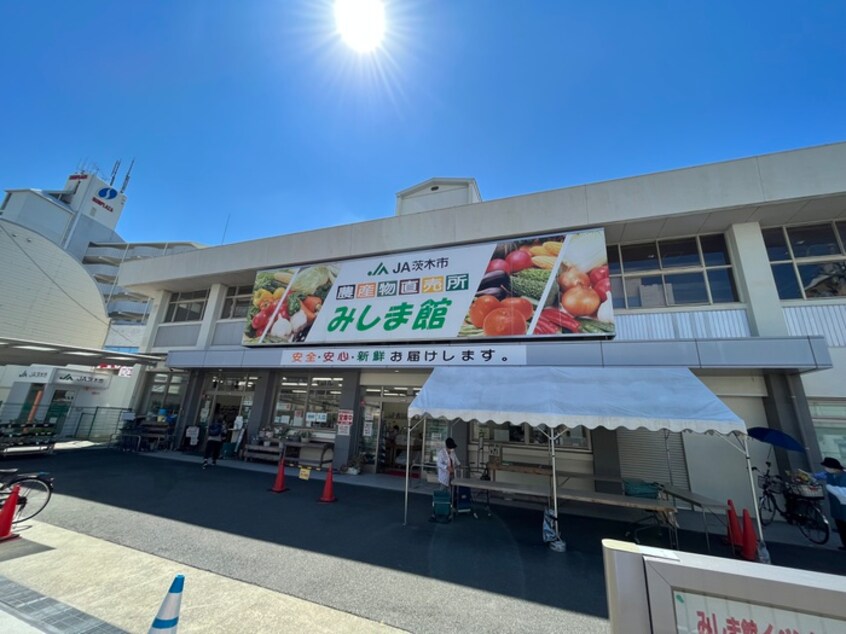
379	270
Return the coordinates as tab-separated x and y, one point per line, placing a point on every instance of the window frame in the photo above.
233	299
184	300
702	268
795	262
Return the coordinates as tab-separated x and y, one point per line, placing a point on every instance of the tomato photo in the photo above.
498	265
504	322
519	260
520	304
480	308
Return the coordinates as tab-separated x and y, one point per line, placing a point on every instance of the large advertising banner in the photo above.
543	286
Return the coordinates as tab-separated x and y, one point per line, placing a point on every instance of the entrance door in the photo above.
384	430
372	437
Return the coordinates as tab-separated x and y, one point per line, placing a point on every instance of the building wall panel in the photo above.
828	321
703	324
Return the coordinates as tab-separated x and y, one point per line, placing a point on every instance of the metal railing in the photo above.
98	424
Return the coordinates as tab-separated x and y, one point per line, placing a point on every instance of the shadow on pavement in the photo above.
503	554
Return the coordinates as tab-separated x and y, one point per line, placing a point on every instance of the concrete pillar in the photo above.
158	308
606	458
346	447
190	408
755	280
217	295
263	401
787	410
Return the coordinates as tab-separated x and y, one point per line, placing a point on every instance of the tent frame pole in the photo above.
743	447
552	437
408	467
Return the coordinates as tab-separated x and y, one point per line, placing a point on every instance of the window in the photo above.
164	391
308	401
808	261
830	425
576	438
675	272
188	306
237	302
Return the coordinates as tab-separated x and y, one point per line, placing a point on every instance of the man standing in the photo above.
834	475
447	463
217	429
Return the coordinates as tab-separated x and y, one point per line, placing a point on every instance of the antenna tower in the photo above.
126	178
114	172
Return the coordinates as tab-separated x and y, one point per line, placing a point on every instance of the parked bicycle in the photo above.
802	504
36	489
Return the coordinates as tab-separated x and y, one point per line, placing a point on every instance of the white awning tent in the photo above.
552	398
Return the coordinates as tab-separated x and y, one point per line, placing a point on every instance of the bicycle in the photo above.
36	489
802	504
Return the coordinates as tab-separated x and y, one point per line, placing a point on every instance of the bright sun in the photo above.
361	23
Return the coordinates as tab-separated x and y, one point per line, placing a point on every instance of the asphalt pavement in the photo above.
490	574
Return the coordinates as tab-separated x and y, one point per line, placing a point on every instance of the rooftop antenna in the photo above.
126	178
225	227
114	172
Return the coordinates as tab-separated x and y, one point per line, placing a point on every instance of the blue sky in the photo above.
254	111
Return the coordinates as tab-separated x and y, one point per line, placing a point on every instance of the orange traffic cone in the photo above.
750	538
328	495
735	535
7	514
279	485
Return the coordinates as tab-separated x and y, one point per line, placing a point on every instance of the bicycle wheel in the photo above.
767	507
813	524
32	498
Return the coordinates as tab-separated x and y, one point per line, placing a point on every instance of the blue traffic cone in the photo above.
168	617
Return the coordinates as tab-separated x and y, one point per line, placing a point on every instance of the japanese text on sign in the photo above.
408	356
703	614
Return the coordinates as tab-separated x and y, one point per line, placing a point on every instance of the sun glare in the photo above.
361	23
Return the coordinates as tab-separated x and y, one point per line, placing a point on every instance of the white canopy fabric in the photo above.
632	398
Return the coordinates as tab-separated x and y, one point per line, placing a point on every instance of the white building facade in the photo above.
734	270
61	254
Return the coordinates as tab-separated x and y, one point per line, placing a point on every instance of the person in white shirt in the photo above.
447	463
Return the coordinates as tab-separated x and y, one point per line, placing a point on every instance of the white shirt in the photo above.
445	458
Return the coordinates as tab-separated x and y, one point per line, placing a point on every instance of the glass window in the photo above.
686	288
813	240
614	260
841	229
679	285
722	286
786	283
639	257
617	294
679	253
237	302
825	279
714	250
776	244
308	401
815	266
645	292
576	438
188	306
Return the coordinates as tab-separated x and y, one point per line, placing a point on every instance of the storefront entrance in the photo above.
228	395
383	432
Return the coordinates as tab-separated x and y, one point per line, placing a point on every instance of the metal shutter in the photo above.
643	455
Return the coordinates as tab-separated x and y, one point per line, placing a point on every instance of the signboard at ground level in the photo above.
697	613
544	286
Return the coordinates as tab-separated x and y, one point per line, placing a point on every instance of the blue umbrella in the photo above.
776	438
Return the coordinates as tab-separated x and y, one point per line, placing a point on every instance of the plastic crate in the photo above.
640	489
